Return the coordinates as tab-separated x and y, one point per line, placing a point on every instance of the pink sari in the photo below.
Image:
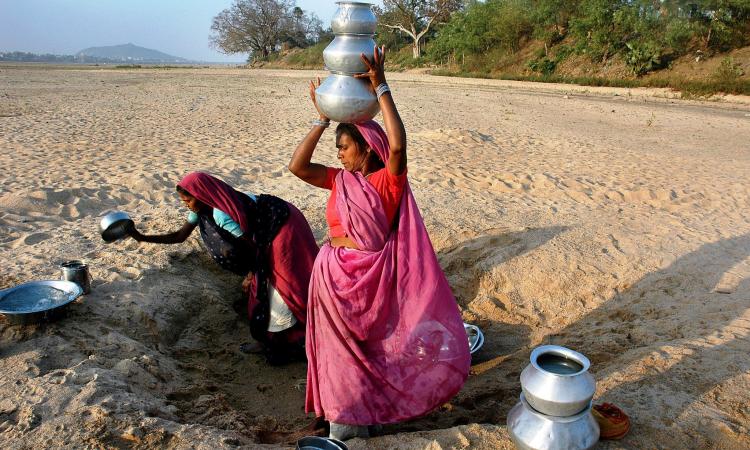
291	254
385	339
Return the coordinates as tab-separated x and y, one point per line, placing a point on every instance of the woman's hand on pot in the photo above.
132	232
314	86
376	67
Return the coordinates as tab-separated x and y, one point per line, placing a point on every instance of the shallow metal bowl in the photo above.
354	18
114	225
530	429
37	300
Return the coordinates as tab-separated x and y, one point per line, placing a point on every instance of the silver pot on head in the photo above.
343	54
347	99
354	18
557	381
531	430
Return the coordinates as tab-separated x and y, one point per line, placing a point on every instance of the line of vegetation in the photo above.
595	42
689	88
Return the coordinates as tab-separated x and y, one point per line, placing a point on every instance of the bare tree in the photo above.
304	29
252	26
415	17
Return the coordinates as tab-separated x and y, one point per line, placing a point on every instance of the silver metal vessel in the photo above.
115	225
557	381
342	97
354	18
343	54
346	99
531	430
77	272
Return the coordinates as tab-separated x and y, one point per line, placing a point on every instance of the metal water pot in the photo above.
354	18
557	381
342	97
531	430
77	272
343	54
347	99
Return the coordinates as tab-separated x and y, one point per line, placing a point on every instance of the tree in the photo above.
304	29
415	17
252	26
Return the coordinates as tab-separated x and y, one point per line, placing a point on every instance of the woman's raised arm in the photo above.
301	164
394	126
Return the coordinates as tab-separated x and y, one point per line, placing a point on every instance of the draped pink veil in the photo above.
385	339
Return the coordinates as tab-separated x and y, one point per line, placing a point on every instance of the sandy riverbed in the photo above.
612	221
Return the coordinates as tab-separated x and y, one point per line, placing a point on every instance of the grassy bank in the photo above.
687	87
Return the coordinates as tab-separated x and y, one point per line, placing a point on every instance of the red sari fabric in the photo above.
291	253
385	339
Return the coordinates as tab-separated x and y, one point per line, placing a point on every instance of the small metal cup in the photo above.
77	272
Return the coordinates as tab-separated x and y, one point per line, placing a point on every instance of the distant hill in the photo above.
128	53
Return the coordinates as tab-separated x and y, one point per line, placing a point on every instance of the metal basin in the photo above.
531	430
343	54
475	337
115	225
354	18
320	443
37	301
347	99
557	381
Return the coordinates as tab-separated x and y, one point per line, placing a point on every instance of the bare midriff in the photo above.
344	241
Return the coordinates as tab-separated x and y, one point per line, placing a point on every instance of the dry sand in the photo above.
612	221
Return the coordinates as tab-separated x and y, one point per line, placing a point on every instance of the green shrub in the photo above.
679	35
728	71
643	57
545	66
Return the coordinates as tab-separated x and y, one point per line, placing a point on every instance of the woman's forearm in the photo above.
394	127
301	164
303	153
176	237
170	238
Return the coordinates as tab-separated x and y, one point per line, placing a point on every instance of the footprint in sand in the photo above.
128	273
36	238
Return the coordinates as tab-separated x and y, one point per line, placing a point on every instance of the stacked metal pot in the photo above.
340	96
554	411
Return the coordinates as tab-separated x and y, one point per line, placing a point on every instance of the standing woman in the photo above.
263	238
385	339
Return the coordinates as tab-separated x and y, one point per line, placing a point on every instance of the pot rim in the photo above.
559	351
563	419
74	264
112	217
354	35
342	2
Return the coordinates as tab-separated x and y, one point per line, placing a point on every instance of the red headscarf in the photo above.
217	194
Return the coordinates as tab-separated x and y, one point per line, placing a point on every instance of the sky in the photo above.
177	27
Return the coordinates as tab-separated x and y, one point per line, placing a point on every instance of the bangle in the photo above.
321	123
382	89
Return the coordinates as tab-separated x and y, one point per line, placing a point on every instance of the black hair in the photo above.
353	132
182	190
